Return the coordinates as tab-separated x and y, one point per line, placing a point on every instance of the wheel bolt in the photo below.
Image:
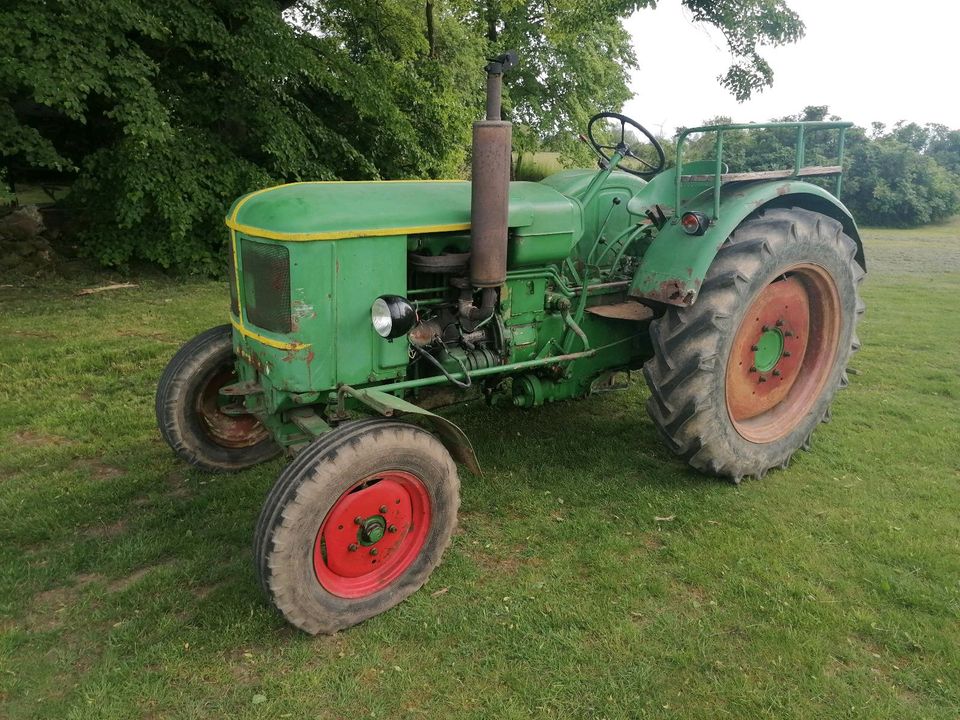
787	333
352	547
752	369
358	520
776	373
383	508
786	353
779	323
392	528
754	348
762	379
374	551
765	328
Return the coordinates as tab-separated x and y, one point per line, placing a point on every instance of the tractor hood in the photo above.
340	210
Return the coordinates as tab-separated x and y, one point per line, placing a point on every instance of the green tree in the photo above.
944	147
165	112
890	183
162	113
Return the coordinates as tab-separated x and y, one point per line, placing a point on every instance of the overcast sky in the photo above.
867	60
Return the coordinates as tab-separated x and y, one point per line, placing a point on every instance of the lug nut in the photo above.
754	348
358	520
776	373
779	323
752	369
352	547
392	528
383	508
786	353
762	379
765	328
787	333
374	551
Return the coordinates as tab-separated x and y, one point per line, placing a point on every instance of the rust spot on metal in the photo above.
622	311
252	358
424	333
669	291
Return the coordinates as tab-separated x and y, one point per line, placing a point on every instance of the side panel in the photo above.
365	269
673	267
332	285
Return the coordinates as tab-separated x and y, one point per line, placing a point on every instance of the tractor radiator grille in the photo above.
266	285
232	279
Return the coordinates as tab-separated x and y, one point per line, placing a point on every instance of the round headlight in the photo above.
392	316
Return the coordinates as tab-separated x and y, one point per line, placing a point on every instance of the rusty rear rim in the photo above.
783	353
372	534
232	431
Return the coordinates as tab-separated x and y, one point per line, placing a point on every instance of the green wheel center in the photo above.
372	530
769	350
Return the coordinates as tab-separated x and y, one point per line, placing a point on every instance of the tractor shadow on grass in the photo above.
593	448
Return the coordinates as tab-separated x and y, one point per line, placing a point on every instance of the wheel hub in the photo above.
226	429
373	532
782	353
769	350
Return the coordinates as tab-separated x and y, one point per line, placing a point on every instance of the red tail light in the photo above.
694	223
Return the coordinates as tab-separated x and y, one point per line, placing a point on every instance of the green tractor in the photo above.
358	308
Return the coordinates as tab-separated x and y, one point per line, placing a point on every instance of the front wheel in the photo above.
190	413
740	379
356	524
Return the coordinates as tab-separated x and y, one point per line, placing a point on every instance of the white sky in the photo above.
868	60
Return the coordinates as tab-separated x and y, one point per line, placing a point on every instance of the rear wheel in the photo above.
740	379
190	410
356	524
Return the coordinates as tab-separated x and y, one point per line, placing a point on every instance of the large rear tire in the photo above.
188	408
740	379
356	524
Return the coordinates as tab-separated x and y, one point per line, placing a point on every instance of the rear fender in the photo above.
673	267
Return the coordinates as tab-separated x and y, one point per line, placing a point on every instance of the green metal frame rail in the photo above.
718	177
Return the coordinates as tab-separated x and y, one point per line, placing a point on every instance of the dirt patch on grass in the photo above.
121	584
97	469
201	591
47	608
30	438
652	541
107	531
177	485
496	563
33	334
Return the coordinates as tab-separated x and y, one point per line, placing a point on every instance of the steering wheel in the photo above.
624	149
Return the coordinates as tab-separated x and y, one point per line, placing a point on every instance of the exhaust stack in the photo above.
489	198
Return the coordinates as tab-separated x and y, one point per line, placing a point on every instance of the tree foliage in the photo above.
159	114
901	177
165	112
894	179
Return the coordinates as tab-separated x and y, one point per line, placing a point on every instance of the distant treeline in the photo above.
900	176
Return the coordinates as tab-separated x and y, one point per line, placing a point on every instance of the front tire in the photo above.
740	379
188	408
356	524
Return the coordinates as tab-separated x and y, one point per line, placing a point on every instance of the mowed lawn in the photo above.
593	575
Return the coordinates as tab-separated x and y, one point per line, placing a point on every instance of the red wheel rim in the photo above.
232	431
372	534
769	394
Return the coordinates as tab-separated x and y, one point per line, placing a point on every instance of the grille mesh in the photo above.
266	285
232	279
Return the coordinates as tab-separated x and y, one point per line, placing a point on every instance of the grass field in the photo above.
829	590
